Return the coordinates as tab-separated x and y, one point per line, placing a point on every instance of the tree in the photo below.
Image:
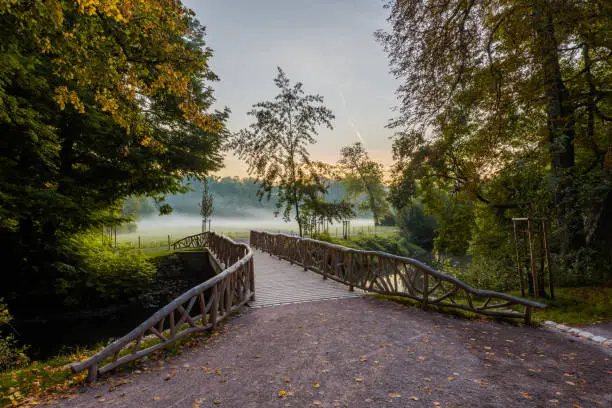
99	100
275	146
361	175
491	84
206	205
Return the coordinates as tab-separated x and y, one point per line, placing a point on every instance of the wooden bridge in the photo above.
293	270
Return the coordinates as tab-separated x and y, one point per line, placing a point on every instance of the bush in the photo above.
11	355
100	274
417	227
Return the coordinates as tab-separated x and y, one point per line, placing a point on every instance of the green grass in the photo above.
571	306
576	306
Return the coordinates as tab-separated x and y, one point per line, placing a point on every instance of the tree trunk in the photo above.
560	124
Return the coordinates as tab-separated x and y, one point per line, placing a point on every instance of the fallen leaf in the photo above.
282	393
316	385
359	379
363	359
414	398
156	398
526	395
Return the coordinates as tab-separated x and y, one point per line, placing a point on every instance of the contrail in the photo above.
350	119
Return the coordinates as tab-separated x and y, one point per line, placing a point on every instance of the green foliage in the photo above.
392	244
511	115
99	101
100	275
275	146
455	217
12	355
363	176
417	227
576	306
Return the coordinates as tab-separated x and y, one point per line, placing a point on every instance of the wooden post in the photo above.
92	374
518	260
534	274
214	306
349	270
548	264
425	289
168	242
528	314
325	263
252	278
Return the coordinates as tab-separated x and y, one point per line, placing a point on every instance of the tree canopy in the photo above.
364	176
275	146
99	100
509	103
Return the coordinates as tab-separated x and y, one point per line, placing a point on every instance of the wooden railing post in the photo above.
214	306
252	278
92	374
425	289
528	314
349	270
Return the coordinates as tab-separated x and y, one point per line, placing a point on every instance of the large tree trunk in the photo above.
561	132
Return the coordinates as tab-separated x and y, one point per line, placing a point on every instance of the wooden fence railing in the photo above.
198	309
388	274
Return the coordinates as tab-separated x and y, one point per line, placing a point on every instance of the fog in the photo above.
184	224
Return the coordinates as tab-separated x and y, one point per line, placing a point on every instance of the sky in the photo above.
328	45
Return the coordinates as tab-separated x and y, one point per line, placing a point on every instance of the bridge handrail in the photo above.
227	292
389	274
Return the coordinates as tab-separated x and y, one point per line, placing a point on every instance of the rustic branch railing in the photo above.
198	309
388	274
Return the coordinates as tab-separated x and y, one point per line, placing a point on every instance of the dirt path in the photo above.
365	352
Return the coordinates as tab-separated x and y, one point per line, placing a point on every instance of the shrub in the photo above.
100	274
11	355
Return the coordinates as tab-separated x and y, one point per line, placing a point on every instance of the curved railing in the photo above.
198	309
388	274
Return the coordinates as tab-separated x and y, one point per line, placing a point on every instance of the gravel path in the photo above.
365	352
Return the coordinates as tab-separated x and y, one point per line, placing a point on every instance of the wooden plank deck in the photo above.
277	282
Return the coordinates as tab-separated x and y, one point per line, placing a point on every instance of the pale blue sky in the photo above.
326	44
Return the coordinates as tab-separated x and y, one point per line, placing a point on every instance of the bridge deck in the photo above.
277	282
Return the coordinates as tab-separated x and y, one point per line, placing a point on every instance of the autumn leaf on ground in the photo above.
282	394
363	359
359	379
394	395
316	385
414	398
526	395
156	398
